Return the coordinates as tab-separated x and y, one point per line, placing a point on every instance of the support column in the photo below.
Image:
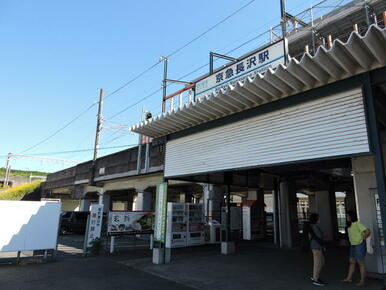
213	195
288	221
334	214
130	200
312	203
84	205
144	201
106	201
323	208
227	245
276	210
365	185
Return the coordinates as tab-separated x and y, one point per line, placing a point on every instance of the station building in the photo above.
313	125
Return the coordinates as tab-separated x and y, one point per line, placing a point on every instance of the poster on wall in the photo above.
94	224
130	222
160	213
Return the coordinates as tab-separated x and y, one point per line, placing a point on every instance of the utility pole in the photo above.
164	82
7	170
99	126
284	29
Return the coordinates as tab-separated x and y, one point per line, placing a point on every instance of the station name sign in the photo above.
257	63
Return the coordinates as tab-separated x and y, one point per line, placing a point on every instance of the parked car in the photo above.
74	222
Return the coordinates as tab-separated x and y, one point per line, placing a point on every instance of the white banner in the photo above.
94	223
257	63
130	222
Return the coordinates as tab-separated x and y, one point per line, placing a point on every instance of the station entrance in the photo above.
312	155
281	199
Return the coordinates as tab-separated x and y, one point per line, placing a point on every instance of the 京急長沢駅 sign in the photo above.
259	62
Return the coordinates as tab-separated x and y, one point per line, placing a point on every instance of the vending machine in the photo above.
176	230
195	230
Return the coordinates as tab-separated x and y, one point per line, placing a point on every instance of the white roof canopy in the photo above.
359	54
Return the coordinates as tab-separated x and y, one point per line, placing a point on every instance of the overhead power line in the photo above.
133	105
70	151
211	28
140	75
59	130
133	79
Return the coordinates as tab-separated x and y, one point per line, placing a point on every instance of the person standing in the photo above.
357	234
316	245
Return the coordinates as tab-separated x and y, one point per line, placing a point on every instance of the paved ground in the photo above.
253	267
79	273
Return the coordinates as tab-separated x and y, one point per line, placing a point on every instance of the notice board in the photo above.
28	225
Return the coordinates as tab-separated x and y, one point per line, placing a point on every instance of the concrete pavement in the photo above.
252	267
97	273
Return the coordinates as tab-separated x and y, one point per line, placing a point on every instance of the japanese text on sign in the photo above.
160	213
257	63
95	223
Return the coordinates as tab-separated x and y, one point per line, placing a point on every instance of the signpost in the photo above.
161	255
94	226
160	213
257	63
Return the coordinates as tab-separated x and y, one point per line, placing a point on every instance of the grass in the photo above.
18	192
23	173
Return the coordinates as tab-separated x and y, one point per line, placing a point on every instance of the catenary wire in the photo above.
60	129
147	70
210	28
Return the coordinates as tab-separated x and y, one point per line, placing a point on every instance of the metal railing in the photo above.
309	21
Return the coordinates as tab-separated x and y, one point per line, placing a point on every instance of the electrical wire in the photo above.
75	151
210	28
60	129
133	105
132	80
147	70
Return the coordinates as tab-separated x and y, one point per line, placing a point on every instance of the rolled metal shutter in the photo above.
327	127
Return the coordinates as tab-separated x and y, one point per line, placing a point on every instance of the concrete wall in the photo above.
365	188
70	205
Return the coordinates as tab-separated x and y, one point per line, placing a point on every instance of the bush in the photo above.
96	246
18	192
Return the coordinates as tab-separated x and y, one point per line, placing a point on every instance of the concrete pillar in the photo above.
334	214
106	201
288	221
212	198
161	255
365	187
252	195
84	205
350	201
312	203
130	200
144	201
182	197
227	243
323	208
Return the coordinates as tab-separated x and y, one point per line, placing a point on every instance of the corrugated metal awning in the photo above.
359	54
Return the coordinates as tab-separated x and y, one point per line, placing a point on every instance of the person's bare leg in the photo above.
351	271
316	257
363	273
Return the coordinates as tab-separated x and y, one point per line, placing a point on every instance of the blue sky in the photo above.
56	55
